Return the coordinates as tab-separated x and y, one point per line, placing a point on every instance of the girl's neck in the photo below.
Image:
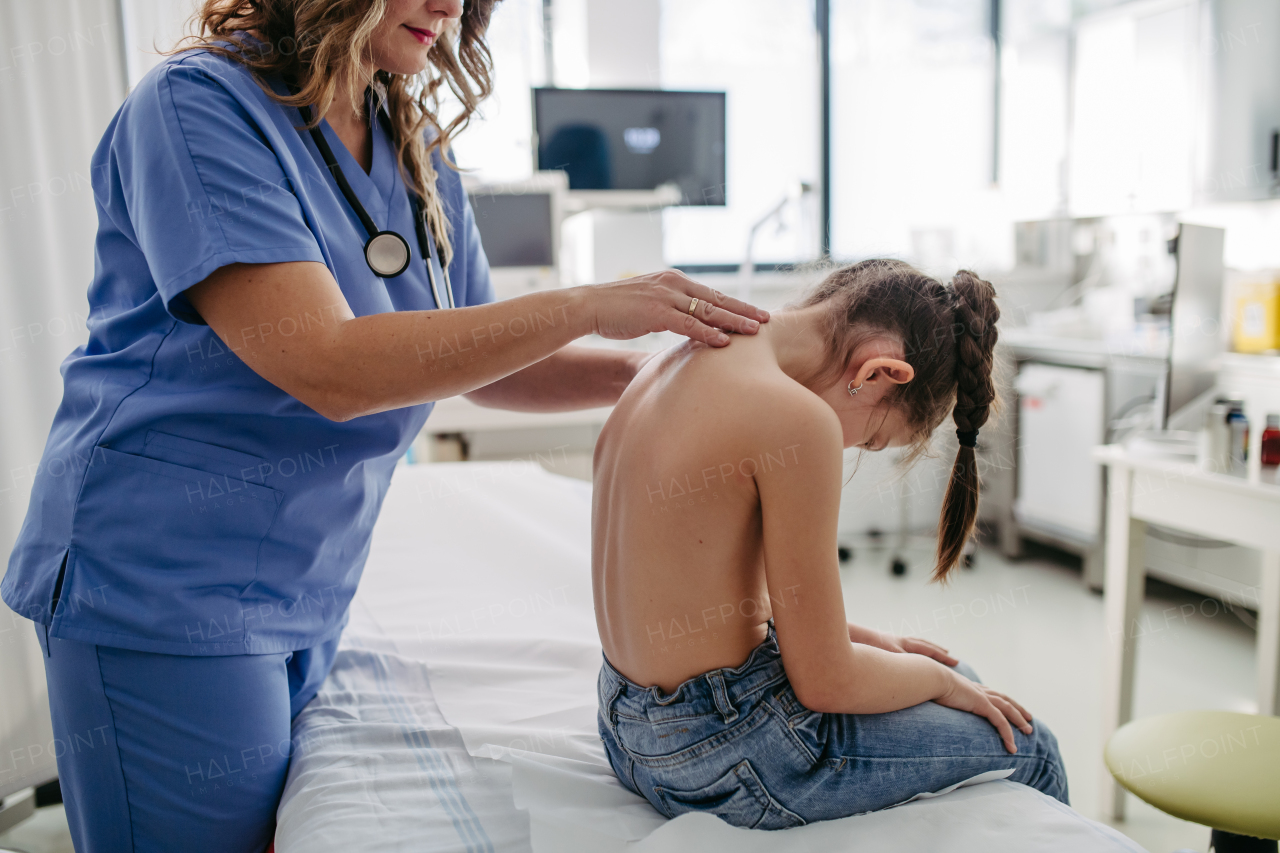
797	338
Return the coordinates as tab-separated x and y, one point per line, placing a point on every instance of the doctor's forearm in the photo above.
576	377
291	324
387	361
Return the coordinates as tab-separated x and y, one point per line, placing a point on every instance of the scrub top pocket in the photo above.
203	456
160	549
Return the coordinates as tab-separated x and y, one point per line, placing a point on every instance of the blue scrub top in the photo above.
184	504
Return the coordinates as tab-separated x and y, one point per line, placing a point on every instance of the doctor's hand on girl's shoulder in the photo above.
667	301
999	710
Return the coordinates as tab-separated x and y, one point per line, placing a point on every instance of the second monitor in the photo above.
519	224
634	139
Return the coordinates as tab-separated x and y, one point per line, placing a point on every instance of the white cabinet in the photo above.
1061	417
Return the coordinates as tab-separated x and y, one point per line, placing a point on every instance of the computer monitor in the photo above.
519	224
1195	323
516	230
634	139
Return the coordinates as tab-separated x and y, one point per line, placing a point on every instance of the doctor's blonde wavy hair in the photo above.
319	42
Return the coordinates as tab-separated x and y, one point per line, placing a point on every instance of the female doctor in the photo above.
261	352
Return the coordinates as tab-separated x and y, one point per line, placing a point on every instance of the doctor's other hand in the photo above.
659	302
999	710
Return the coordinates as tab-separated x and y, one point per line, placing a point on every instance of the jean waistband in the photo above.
726	689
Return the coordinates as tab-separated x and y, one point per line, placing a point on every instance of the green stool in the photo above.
1216	768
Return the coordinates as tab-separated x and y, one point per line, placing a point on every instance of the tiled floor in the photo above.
1031	629
46	832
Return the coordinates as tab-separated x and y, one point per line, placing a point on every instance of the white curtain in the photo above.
152	27
62	77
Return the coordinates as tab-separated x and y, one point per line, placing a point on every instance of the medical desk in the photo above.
1180	495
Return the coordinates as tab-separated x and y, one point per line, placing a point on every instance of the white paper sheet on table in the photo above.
461	711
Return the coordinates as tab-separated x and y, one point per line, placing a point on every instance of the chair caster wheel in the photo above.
898	566
845	554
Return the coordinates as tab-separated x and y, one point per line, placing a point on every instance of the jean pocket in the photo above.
805	728
738	798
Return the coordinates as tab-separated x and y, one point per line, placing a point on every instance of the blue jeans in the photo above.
737	743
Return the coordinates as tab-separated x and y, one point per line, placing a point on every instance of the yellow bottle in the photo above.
1257	316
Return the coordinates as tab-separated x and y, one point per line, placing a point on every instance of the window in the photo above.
764	55
912	116
1133	128
498	144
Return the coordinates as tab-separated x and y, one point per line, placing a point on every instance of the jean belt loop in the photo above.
720	693
619	686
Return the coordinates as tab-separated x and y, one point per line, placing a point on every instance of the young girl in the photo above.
732	683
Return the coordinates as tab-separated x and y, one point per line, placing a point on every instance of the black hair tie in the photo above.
967	437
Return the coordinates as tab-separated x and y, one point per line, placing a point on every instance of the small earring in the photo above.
853	392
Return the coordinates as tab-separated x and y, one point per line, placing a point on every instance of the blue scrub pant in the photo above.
165	752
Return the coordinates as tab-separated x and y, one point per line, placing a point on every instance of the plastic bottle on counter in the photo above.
1238	425
1214	452
1271	442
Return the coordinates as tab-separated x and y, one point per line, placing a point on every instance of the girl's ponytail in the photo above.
947	334
975	339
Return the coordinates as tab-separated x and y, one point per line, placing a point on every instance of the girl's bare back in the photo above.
676	528
718	484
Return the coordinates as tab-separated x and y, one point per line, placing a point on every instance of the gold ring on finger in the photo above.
693	306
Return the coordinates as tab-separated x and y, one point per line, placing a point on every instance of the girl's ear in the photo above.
893	370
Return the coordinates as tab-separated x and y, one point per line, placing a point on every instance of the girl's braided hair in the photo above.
948	334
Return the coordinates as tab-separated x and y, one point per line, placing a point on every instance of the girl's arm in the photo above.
892	643
799	505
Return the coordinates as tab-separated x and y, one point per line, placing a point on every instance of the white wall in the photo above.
622	44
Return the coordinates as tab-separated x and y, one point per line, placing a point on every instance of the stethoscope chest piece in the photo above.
387	254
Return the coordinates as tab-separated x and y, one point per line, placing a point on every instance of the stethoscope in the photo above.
386	252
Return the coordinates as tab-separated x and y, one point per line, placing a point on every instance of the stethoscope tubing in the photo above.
425	240
426	245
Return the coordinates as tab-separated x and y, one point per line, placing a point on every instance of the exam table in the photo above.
461	710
